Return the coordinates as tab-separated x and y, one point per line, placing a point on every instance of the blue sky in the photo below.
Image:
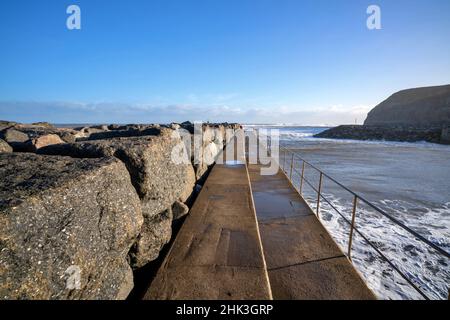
266	61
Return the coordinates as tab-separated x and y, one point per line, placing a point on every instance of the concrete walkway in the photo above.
303	260
226	250
217	253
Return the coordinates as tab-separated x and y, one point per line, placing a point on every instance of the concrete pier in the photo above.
228	250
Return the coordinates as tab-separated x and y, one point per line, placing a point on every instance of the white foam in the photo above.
429	270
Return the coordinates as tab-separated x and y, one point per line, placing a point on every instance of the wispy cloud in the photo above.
106	112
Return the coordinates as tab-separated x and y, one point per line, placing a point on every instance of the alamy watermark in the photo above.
73	277
374	20
220	145
73	22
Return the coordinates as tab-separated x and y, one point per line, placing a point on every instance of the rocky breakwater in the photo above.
157	178
387	133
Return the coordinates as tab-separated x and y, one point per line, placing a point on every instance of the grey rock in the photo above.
5	147
179	210
158	180
16	139
155	233
162	184
60	215
12	135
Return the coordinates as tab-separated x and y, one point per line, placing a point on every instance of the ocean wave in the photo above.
292	133
427	215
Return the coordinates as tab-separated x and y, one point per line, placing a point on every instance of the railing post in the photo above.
319	193
284	160
292	165
301	179
352	227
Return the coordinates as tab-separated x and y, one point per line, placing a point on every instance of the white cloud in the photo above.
106	112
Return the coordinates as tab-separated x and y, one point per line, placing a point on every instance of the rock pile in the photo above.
98	199
388	133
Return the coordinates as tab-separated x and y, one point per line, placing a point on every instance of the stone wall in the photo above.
101	199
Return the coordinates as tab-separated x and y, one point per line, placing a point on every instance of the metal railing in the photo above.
351	222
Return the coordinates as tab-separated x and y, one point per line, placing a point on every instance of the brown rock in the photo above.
44	141
5	147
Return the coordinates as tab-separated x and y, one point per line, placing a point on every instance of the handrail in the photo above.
353	229
417	235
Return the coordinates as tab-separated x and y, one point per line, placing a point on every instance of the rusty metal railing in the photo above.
351	222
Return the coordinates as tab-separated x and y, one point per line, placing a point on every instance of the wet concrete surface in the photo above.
303	260
217	254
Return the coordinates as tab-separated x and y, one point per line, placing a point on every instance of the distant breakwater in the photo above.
388	133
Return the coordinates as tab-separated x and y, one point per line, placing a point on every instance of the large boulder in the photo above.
158	179
426	107
66	227
15	138
12	135
5	147
43	141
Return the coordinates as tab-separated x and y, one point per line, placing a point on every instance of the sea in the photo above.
409	182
